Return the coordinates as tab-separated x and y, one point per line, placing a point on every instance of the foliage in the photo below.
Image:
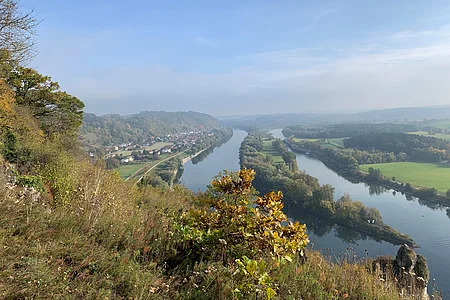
56	111
30	181
116	242
344	129
9	146
253	276
7	112
417	147
304	191
247	225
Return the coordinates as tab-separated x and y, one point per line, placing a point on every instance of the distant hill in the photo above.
113	129
393	114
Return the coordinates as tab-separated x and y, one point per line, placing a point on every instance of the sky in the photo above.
246	57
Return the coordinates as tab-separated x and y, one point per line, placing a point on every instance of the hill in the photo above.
394	114
114	129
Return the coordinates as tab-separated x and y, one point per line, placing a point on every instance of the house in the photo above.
127	160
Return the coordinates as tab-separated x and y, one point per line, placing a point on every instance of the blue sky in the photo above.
246	57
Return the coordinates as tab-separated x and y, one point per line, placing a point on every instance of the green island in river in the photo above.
276	169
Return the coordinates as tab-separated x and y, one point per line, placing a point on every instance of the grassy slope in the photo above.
118	252
419	174
436	135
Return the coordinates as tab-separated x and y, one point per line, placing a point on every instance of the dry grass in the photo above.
113	241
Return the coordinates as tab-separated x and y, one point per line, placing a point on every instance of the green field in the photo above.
269	149
419	174
329	143
127	170
436	135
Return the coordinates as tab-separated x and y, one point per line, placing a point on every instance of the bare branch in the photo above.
17	30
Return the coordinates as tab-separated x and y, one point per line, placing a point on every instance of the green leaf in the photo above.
270	293
251	268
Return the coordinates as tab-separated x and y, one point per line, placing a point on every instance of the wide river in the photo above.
427	223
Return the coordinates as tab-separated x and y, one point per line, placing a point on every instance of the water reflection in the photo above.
375	189
320	227
350	235
423	202
203	155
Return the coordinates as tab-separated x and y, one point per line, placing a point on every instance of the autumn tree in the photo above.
7	112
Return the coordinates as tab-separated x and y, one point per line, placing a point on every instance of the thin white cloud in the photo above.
440	33
376	73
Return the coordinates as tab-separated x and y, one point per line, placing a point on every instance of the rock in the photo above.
405	260
421	270
410	271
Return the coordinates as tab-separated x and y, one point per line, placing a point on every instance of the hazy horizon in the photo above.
246	58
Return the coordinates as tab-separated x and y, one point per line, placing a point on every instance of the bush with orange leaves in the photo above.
234	219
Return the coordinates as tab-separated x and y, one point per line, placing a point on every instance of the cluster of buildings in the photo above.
174	142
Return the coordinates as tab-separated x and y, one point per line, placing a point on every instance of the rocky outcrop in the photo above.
408	269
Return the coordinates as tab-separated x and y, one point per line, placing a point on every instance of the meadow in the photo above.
419	174
126	171
443	136
326	143
269	149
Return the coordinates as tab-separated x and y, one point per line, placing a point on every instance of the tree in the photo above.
57	111
448	194
17	30
6	105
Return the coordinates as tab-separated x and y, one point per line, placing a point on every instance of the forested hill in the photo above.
113	129
403	114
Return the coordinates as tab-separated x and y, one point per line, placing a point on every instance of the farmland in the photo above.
419	174
325	143
269	149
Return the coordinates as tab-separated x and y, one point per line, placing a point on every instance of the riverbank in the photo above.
305	192
187	159
356	175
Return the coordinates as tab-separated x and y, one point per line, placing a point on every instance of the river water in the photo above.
427	223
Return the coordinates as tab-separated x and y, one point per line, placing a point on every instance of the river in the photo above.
198	176
427	223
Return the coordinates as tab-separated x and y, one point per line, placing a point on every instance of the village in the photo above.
153	148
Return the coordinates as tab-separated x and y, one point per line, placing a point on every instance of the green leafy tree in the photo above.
56	111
